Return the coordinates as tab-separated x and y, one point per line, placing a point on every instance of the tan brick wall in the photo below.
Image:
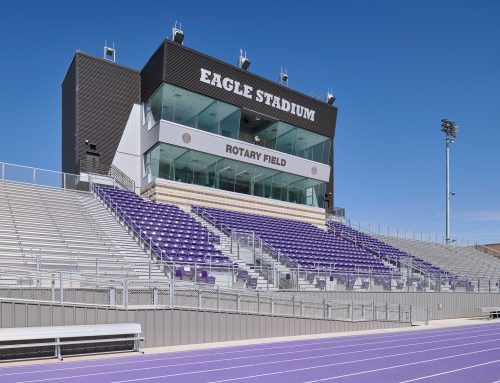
186	195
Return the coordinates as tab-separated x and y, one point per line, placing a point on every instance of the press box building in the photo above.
193	130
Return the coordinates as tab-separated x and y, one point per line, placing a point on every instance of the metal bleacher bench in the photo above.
59	336
490	312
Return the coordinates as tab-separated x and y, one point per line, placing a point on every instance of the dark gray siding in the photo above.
105	96
179	65
69	120
152	74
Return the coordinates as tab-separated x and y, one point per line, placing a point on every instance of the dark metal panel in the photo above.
182	68
152	74
68	110
105	95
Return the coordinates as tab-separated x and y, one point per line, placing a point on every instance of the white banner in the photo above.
195	139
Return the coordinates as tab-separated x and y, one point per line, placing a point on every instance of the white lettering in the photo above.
268	97
227	83
259	97
309	114
245	90
205	76
285	105
216	81
276	102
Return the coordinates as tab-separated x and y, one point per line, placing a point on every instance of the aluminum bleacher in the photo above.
385	251
460	260
55	230
188	250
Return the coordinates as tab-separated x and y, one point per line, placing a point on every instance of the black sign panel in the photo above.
194	71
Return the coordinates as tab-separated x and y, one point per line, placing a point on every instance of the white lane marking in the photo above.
256	364
450	371
314	367
393	367
168	358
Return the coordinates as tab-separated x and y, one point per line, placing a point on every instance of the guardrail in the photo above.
62	288
51	178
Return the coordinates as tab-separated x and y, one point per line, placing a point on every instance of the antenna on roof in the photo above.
109	52
243	62
177	33
283	77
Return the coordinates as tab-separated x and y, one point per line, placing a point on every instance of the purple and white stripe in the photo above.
457	354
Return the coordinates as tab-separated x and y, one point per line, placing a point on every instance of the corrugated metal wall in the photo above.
167	327
104	94
69	120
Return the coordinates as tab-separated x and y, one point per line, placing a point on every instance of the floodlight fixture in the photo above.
244	62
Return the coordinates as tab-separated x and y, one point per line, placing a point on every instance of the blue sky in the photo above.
396	67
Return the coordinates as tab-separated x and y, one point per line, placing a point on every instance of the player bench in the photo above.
57	337
490	312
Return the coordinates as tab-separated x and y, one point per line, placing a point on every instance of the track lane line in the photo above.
257	365
450	371
335	343
278	361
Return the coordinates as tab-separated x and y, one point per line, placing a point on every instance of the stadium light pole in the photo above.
449	128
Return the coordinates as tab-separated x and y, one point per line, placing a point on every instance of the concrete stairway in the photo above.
244	257
243	262
124	243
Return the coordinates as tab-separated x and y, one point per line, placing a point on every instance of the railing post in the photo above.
324	309
253	247
199	298
386	311
112	296
411	314
258	302
155	297
149	271
61	288
125	293
267	279
53	288
171	300
293	305
426	315
218	298
374	312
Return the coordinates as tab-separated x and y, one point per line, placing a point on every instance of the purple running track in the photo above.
454	354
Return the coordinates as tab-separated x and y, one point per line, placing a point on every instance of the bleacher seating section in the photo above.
45	228
307	245
460	260
172	233
384	250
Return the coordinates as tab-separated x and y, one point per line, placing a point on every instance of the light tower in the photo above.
450	135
